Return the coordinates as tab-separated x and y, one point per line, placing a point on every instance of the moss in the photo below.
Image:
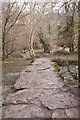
57	70
13	59
63	61
60	74
37	50
62	79
57	67
27	56
61	32
67	85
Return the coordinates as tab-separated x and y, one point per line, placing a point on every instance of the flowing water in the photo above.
70	74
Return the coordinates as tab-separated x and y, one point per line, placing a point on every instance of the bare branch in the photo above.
23	7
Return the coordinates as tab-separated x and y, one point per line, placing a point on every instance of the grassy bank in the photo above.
63	58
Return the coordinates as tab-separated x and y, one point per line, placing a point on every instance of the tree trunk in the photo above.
45	48
79	42
73	25
70	50
31	51
3	47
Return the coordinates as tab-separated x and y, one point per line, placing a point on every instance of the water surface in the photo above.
10	73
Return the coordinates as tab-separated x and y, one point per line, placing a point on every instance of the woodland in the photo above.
35	31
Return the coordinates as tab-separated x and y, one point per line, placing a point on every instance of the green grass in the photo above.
37	50
14	59
27	56
72	58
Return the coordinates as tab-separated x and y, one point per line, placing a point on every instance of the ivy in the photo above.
42	41
61	32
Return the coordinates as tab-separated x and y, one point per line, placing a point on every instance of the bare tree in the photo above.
40	12
7	15
11	12
34	21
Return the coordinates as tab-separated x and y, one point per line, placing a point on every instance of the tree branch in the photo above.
16	17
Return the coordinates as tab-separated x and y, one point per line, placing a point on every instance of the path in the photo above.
41	94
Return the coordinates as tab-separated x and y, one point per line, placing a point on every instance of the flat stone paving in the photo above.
41	94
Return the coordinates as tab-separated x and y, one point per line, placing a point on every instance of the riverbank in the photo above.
67	67
10	73
11	69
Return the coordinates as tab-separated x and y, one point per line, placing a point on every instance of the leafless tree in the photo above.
36	19
11	12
